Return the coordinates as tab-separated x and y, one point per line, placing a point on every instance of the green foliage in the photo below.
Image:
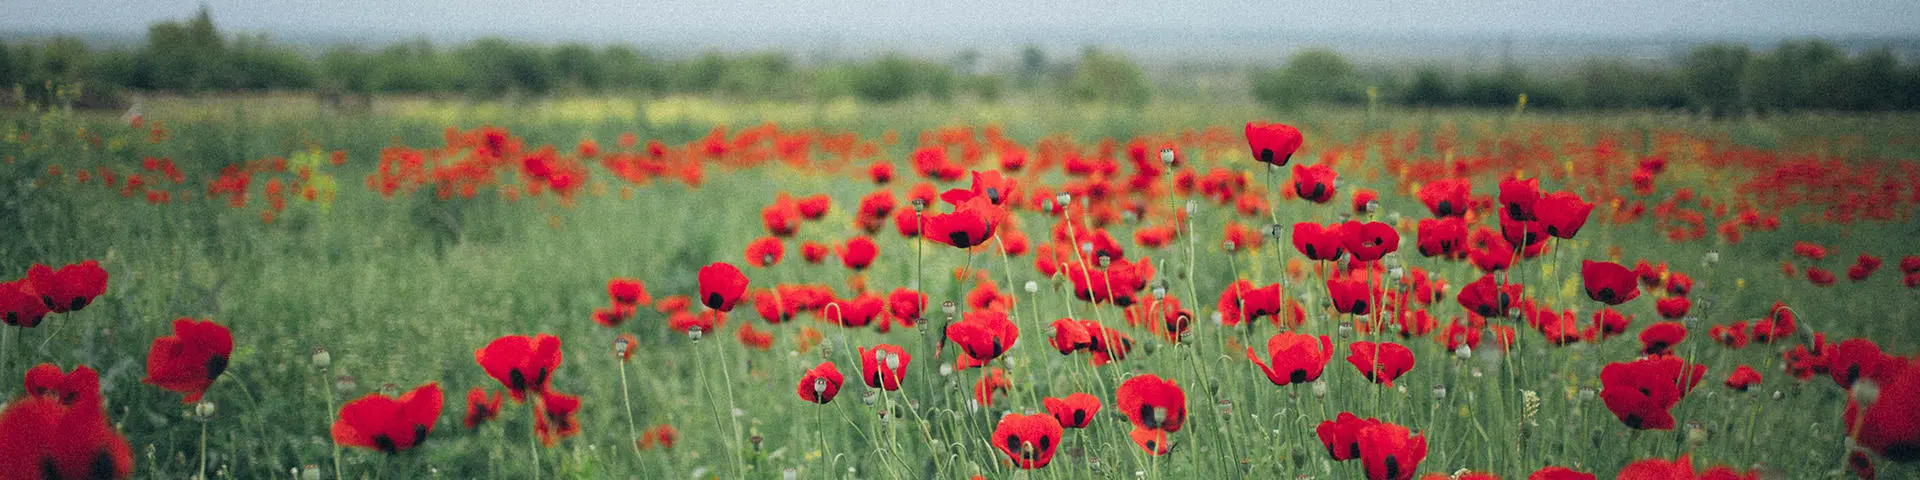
896	77
1312	76
1101	77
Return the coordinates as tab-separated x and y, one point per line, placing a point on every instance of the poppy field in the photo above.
836	291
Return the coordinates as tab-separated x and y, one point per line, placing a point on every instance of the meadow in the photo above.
357	256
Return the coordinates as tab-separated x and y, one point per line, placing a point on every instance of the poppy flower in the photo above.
1610	322
970	224
386	424
42	438
1732	336
1241	302
1559	473
1810	250
906	305
1369	241
1446	198
1108	344
71	287
1673	307
1608	282
1678	283
1486	298
79	388
991	185
1151	440
984	334
991	382
815	206
907	222
662	435
721	285
189	360
1659	469
1341	435
858	253
1858	358
1363	199
1561	330
1153	403
1562	213
521	363
1380	362
1661	337
856	312
1642	393
20	306
481	407
1820	276
1488	250
556	417
1860	465
1742	378
1442	237
1863	267
1314	183
1522	233
1073	411
884	365
1890	425
1517	198
765	252
1294	358
1319	242
754	338
821	384
1350	295
612	316
814	252
1391	452
1028	440
1273	143
781	217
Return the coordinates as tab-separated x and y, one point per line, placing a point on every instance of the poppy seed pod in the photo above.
204	411
321	359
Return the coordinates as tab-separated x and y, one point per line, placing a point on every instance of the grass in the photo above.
396	300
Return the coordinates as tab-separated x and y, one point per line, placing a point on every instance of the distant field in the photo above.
404	236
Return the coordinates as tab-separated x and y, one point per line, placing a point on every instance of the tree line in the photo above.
193	56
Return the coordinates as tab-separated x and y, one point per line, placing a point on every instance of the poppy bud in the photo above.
919	205
1586	394
1865	391
1166	156
343	383
694	333
947	307
1228	245
1062	199
1439	391
1463	353
1320	389
1032	286
204	411
322	359
1346	329
1712	257
621	346
1106	260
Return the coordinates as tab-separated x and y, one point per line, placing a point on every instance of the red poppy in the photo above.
1820	276
1151	440
1341	435
1447	197
1660	337
765	252
1810	250
884	366
1240	302
1522	233
1380	362
79	388
1679	283
69	288
1391	452
1073	411
881	172
1642	393
906	305
1673	307
856	312
1732	336
1319	242
1742	378
991	382
815	206
814	252
1659	469
1610	322
386	424
481	407
42	438
907	222
971	223
984	334
1363	199
1517	198
1028	440
523	364
991	185
1153	403
1559	473
556	417
662	435
1890	425
858	252
1562	213
1858	358
821	384
754	338
1863	267
1369	241
1562	329
1273	143
1314	183
1487	298
612	316
721	285
1293	358
1488	250
1860	465
1350	294
1608	282
20	306
191	359
1443	237
781	217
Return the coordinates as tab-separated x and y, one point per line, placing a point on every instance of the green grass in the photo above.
397	300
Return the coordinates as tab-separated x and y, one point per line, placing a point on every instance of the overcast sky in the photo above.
986	19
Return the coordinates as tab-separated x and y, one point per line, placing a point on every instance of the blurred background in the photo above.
1714	57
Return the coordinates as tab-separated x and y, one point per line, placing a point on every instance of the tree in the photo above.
1713	75
1312	76
1105	78
186	56
1431	87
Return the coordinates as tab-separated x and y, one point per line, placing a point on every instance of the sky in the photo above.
779	23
